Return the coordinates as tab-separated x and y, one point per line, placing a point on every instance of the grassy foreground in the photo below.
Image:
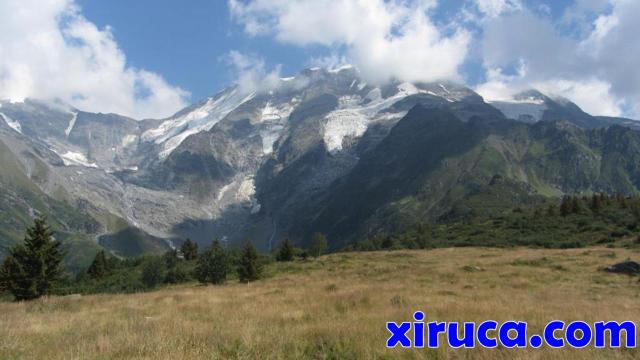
334	307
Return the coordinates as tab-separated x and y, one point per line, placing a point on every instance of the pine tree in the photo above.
98	268
4	275
286	252
249	266
189	250
565	206
318	244
551	210
213	265
604	199
171	258
622	201
596	203
32	268
575	205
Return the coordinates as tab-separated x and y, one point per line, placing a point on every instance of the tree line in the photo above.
33	268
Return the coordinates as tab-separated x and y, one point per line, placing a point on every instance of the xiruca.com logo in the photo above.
510	334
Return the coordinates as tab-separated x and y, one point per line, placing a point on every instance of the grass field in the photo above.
334	307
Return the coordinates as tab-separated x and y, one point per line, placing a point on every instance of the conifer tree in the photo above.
4	276
286	252
604	199
596	203
575	205
249	265
171	258
98	268
32	268
213	265
565	206
189	250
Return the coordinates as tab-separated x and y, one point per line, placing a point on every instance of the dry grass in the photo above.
334	308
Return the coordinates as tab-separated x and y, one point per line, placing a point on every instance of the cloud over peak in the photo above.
48	50
586	52
594	65
384	39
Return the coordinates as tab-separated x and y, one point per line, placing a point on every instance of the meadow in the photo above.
334	307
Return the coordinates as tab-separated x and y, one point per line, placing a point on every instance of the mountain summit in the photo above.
321	151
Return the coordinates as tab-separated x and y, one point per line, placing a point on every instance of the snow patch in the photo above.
71	158
240	191
343	123
354	114
522	108
172	132
269	137
72	123
15	125
129	139
273	119
272	113
338	69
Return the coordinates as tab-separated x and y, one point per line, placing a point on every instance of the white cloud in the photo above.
493	8
333	61
592	95
588	54
384	39
595	67
48	50
251	73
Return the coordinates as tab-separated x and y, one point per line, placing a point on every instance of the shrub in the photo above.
213	265
318	244
176	275
153	272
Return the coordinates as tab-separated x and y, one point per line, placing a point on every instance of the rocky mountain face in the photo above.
322	151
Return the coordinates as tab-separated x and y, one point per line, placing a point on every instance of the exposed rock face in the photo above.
321	151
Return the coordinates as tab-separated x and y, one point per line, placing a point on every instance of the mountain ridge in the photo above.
262	164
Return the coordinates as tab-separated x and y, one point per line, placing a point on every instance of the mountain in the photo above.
321	151
532	106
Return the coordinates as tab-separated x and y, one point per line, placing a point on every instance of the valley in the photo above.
335	307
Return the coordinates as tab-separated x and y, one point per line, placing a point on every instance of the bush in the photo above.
213	265
176	275
318	244
153	272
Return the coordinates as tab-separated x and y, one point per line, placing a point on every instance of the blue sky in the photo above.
186	42
150	58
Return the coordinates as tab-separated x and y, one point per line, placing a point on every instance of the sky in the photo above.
150	58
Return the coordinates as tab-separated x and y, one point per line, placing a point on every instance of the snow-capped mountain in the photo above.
239	164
